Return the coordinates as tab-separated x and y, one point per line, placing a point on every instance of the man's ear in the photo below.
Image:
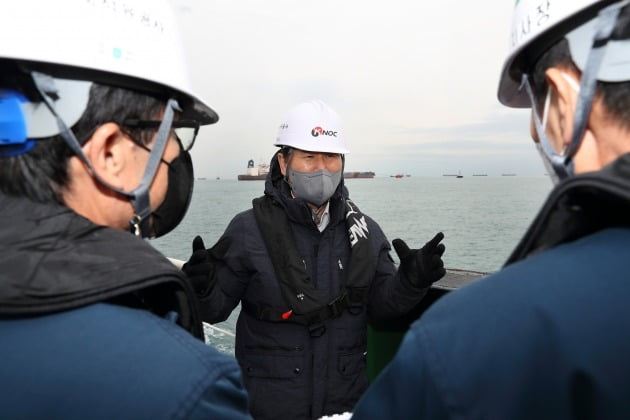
565	98
108	151
283	164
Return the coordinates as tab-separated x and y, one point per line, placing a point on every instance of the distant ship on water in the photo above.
254	173
457	175
349	175
257	173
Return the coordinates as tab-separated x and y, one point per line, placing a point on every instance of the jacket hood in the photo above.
52	259
296	208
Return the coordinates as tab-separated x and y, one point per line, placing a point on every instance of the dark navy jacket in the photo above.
289	373
547	337
93	325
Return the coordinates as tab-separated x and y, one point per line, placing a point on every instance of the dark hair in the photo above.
41	174
286	151
615	96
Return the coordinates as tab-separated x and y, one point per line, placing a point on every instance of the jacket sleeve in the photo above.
405	389
225	397
391	295
232	275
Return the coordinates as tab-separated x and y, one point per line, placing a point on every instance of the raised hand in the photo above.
423	266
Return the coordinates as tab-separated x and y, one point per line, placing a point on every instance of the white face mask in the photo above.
547	164
551	159
572	83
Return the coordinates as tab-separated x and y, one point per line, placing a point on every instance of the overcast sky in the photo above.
414	82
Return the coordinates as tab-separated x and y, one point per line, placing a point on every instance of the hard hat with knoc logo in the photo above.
132	44
537	25
312	126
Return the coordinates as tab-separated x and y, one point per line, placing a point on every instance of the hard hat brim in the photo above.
524	56
192	107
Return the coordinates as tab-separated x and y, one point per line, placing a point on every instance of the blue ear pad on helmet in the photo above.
13	140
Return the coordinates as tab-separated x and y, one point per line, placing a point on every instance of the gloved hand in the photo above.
201	266
423	266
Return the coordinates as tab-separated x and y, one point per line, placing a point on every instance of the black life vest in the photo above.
304	305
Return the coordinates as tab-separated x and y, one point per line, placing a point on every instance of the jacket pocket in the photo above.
345	388
277	385
272	366
349	364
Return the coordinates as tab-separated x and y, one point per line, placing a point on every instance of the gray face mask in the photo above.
315	187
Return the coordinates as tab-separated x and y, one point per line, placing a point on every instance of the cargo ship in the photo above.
348	175
254	173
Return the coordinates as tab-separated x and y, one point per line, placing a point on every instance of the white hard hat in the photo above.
133	44
312	126
536	25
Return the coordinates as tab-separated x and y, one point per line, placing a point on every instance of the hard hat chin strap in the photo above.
604	28
562	164
139	197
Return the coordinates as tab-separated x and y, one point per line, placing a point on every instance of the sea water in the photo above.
482	217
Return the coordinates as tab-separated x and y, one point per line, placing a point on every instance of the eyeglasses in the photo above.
185	130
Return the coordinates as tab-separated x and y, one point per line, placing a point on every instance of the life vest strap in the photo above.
303	303
313	319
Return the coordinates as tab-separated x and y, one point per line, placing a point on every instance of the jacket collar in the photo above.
580	206
52	259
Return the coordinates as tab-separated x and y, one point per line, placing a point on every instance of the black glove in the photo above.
201	266
423	266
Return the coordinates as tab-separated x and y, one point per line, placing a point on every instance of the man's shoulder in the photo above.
528	294
148	330
151	344
243	222
528	324
143	363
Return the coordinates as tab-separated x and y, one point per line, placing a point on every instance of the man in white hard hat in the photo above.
309	270
547	336
96	123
